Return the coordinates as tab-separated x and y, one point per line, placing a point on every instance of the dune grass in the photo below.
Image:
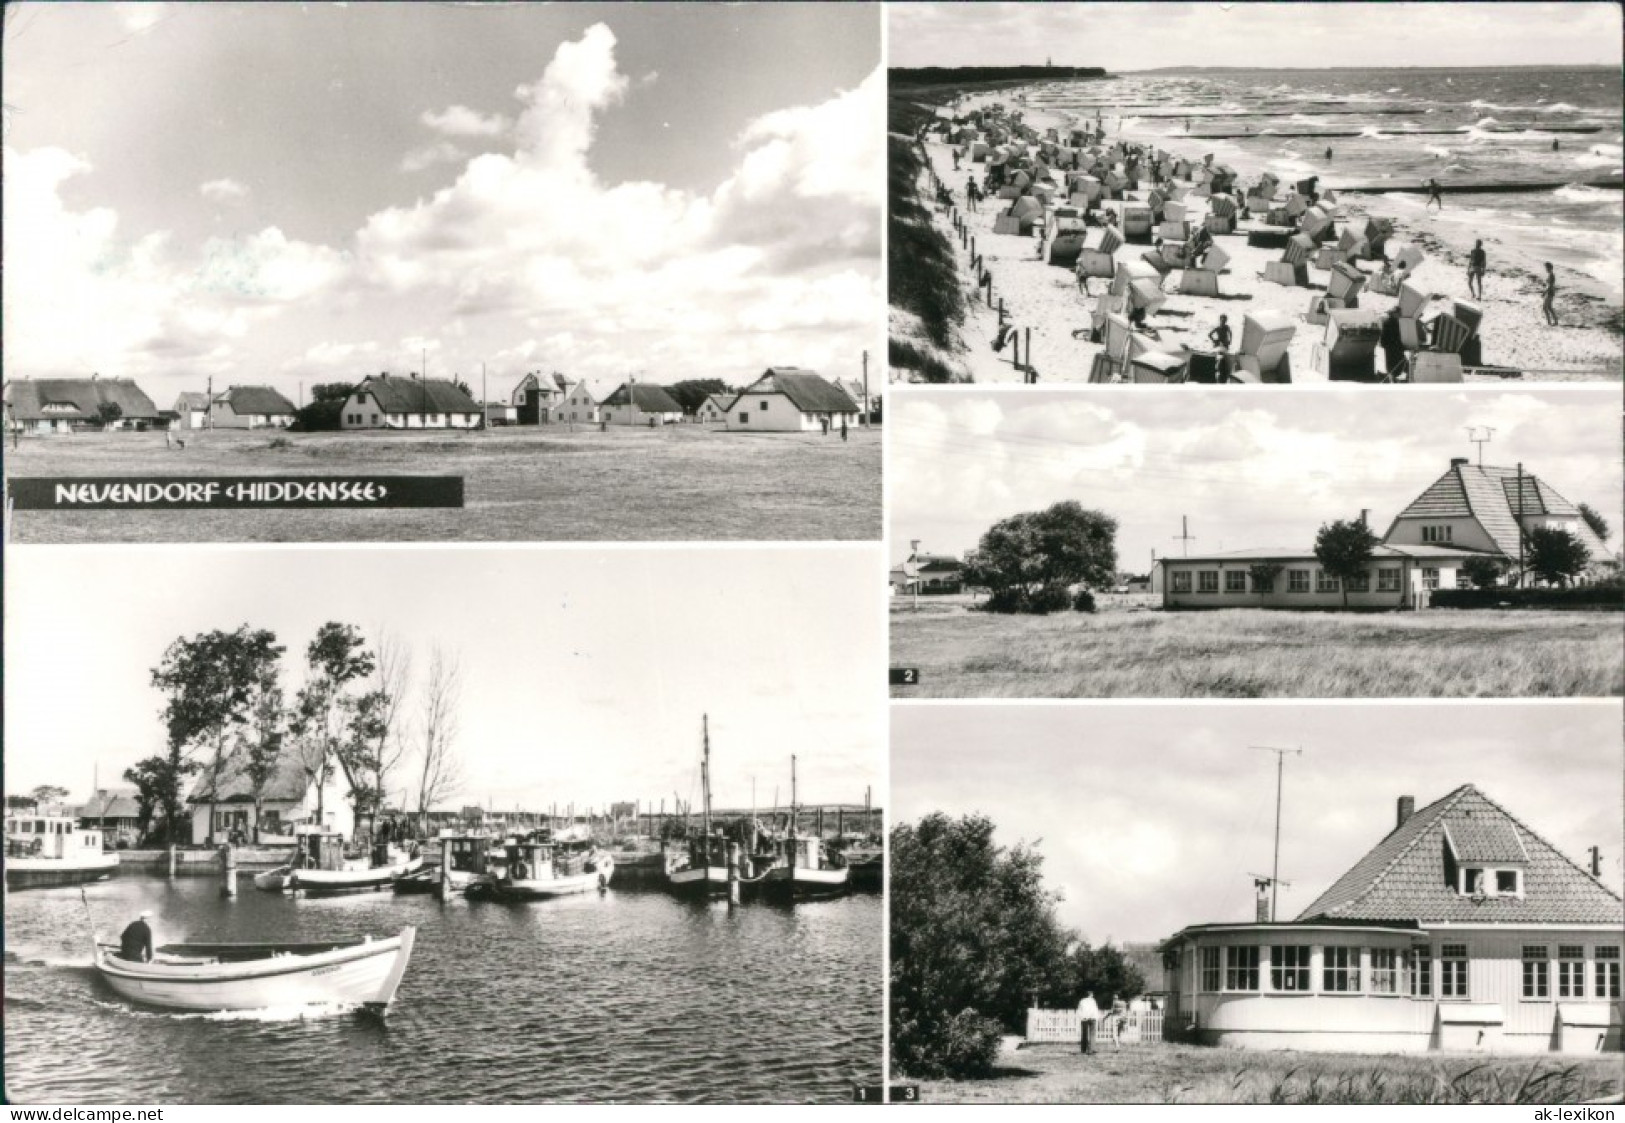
1166	1073
1253	653
677	483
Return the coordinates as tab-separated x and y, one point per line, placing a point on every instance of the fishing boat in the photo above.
700	868
211	977
387	864
866	858
805	867
44	850
548	864
314	847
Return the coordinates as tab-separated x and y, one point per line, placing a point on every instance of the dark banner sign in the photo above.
185	493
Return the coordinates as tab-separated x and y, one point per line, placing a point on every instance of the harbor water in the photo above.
626	996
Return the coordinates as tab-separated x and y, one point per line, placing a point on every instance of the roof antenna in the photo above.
1275	869
1185	537
1472	435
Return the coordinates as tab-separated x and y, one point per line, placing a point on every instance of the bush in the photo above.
1083	601
1605	595
280	443
319	416
1014	599
968	1045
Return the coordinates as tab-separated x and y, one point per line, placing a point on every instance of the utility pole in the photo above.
1520	524
485	402
866	389
1185	536
1275	868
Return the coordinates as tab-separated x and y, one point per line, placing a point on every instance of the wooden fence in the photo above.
1062	1025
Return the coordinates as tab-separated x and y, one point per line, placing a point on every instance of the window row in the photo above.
1349	969
1297	581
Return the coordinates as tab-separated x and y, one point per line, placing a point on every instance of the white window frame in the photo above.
1238	967
1421	973
1181	579
1536	975
1209	970
1207	581
1455	978
1231	582
1388	579
1326	583
1340	969
1571	971
1297	580
1386	970
1291	963
1605	971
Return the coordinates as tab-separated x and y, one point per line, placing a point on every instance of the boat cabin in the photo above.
319	849
50	836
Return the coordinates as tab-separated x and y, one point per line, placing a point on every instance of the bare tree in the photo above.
378	743
442	773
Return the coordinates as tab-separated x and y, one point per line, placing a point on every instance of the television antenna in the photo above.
1280	766
1185	537
1473	437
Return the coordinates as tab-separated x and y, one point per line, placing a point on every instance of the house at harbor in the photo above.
789	399
1462	930
251	407
1470	511
289	799
113	811
640	403
382	402
69	405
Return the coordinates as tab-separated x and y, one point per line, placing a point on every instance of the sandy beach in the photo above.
1045	300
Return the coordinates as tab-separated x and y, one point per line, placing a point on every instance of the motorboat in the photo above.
547	865
806	869
211	977
387	863
463	858
44	850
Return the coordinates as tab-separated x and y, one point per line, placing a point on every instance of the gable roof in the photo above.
115	803
255	400
1403	877
808	392
419	395
289	783
28	398
1491	495
596	388
191	400
646	396
717	402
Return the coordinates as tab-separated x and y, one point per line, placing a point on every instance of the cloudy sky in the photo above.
285	193
587	670
1260	468
1122	37
1152	817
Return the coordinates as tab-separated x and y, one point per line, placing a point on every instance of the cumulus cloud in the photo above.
459	120
440	152
223	191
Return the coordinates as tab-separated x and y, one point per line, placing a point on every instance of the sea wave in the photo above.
1579	193
1371	131
1559	107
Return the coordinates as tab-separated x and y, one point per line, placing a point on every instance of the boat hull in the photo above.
555	887
703	881
366	974
335	883
42	873
804	882
274	881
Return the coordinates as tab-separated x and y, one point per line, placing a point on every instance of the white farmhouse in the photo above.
191	410
250	407
581	401
644	404
288	799
383	402
713	410
788	399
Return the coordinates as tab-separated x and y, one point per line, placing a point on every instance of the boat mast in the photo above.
705	777
795	810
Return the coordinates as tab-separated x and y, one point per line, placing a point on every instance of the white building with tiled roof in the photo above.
1462	930
1468	512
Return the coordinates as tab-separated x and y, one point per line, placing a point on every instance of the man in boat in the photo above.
136	942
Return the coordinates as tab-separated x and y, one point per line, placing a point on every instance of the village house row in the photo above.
783	399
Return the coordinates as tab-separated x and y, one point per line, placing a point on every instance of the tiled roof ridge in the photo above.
1436	810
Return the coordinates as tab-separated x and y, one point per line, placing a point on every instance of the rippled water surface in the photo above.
628	996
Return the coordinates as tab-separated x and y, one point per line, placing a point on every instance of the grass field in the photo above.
681	482
1191	1074
1253	653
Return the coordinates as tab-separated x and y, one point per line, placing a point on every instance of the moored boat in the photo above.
807	869
388	863
211	977
700	869
44	850
547	865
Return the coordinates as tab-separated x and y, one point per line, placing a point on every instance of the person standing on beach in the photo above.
1328	153
1393	344
1548	297
971	193
1435	195
1477	262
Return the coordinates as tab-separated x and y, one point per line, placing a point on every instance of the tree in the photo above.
974	939
20	803
441	774
1343	549
1555	556
109	412
1484	571
691	393
1598	524
212	681
326	408
372	750
1104	972
1028	561
1263	575
47	793
262	751
323	707
157	781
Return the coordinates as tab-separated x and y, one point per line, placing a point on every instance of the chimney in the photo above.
1263	887
1459	461
1407	808
1365	514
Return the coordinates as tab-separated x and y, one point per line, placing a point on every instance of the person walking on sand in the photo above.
956	159
970	193
1477	262
1083	277
1435	195
843	427
1548	297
